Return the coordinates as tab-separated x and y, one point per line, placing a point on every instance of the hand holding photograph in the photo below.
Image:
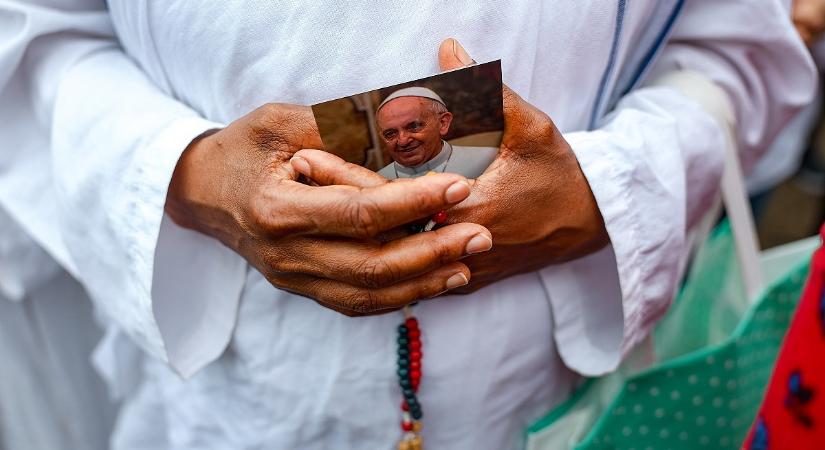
451	122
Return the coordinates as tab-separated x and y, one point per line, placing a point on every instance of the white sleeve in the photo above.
98	143
654	166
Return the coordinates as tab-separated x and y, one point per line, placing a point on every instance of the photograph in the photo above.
451	122
389	225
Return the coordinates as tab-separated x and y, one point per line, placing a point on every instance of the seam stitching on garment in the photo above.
611	62
657	46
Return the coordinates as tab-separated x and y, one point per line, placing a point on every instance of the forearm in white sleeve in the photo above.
654	166
113	140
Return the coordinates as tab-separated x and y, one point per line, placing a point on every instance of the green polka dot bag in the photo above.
714	352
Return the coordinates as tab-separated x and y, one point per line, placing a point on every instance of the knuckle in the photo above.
374	272
362	217
362	302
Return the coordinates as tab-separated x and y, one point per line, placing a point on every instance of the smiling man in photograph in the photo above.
412	122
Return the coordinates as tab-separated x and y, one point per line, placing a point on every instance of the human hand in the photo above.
809	19
237	185
534	197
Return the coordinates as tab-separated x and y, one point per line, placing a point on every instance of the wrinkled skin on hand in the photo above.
534	197
324	242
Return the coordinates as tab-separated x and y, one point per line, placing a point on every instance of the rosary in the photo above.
409	363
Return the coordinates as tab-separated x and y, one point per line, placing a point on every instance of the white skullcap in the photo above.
412	92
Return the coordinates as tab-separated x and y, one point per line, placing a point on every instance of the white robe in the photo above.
95	130
50	397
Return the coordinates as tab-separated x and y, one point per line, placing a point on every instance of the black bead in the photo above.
416	413
404	383
403	341
403	363
402	330
403	352
408	393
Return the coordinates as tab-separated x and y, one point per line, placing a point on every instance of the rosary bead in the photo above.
417	413
415	365
408	393
411	323
414	333
416	443
404	363
404	405
404	382
415	356
402	352
407	426
415	345
402	330
440	217
415	374
402	373
416	427
403	341
405	445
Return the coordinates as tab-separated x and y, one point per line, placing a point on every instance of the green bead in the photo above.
403	363
402	373
416	413
402	330
408	393
403	352
403	341
404	383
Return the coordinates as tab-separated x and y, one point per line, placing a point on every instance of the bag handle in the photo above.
714	101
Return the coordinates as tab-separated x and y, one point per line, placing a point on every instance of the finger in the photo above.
327	169
452	55
375	265
361	212
352	300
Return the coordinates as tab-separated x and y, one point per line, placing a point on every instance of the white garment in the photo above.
50	398
467	161
296	375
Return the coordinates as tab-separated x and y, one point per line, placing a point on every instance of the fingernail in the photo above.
457	192
461	54
479	243
456	280
300	164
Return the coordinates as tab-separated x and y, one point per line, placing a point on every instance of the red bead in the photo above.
415	384
415	375
415	345
415	365
414	334
415	356
406	426
404	405
440	217
411	323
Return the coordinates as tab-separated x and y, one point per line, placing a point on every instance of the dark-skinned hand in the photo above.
237	184
534	197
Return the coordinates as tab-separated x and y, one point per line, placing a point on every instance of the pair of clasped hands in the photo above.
338	239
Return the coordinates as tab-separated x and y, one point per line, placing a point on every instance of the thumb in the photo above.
451	55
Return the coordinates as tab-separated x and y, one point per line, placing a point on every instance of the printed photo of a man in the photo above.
412	123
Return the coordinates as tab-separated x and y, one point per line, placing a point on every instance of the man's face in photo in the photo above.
412	129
